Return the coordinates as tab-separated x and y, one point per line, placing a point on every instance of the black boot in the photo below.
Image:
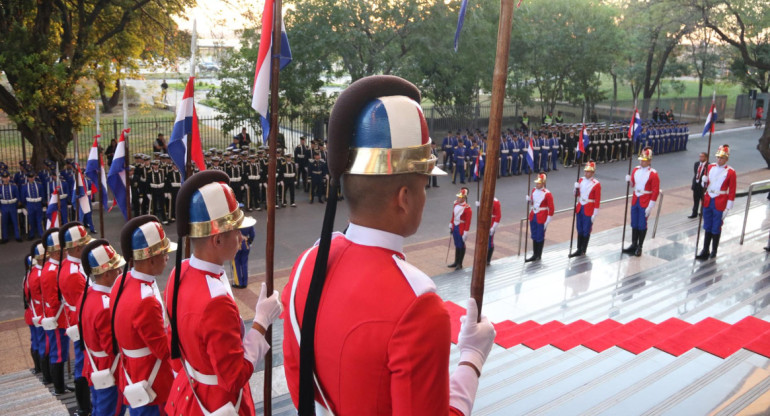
704	254
457	258
714	245
534	253
489	255
585	244
45	368
57	374
83	396
579	250
35	361
640	242
460	258
634	237
540	249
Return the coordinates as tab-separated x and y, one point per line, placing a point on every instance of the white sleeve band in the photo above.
463	384
254	346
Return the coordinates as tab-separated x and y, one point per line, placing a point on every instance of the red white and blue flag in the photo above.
116	178
80	194
186	126
636	125
261	90
95	171
584	140
711	120
53	210
530	155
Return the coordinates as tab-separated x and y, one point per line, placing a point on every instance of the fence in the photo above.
745	107
439	119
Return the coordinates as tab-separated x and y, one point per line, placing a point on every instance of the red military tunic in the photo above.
97	332
35	292
589	195
72	281
542	205
51	292
211	339
496	213
461	217
382	333
141	333
646	185
721	186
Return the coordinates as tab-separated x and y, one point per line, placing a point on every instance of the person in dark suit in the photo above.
699	169
243	138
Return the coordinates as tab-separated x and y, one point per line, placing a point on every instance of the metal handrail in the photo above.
748	205
657	215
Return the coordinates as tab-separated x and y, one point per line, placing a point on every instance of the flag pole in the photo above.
125	134
580	163
526	212
100	171
484	221
58	200
188	153
272	140
703	195
628	185
77	181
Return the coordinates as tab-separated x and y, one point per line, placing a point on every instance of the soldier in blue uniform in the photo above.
448	146
505	156
545	150
32	198
241	260
459	157
9	201
318	172
20	177
553	142
518	157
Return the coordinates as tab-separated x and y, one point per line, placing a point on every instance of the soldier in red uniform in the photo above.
38	311
137	311
30	315
102	264
589	193
540	214
646	184
55	321
372	337
459	226
720	182
496	217
218	358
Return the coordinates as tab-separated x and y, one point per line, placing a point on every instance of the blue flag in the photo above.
460	21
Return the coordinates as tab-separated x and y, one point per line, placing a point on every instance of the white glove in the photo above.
477	203
704	180
547	220
528	198
729	206
628	178
450	227
577	185
465	236
476	338
268	309
593	217
648	210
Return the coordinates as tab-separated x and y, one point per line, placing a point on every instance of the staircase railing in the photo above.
754	186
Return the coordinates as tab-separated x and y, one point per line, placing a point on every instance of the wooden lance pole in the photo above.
580	164
484	221
272	140
703	195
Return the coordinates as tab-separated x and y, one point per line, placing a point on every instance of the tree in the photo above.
47	52
750	77
703	58
743	25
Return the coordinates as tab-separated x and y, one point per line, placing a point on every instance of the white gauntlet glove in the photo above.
628	178
577	185
649	208
465	236
547	220
528	198
593	217
268	309
477	203
476	338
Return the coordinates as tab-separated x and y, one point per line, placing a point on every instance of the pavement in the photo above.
298	228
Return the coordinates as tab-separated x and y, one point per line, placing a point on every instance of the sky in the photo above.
220	19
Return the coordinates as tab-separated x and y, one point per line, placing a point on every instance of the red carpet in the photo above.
621	333
735	337
557	334
686	340
509	337
760	345
645	340
673	335
455	312
576	338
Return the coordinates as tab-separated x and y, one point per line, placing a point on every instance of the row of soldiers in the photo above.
26	194
80	293
557	144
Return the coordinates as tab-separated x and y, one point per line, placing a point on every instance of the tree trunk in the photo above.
44	144
110	102
764	145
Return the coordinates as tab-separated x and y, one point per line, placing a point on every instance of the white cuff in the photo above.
254	346
473	357
651	205
463	384
730	204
